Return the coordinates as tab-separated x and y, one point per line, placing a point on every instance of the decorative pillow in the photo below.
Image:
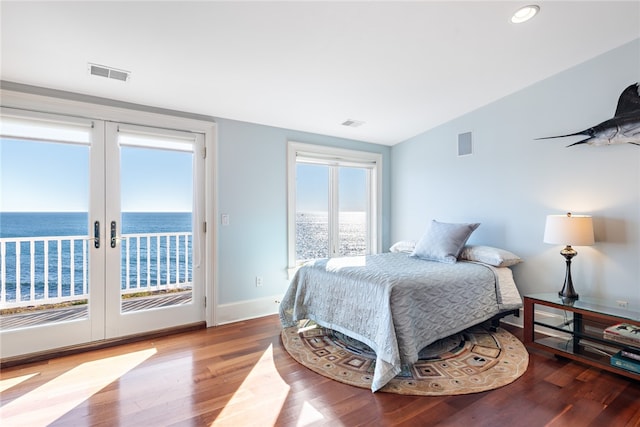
443	241
489	255
403	246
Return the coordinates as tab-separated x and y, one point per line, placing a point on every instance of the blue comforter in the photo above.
396	304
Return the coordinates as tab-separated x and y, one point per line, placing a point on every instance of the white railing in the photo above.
155	261
55	269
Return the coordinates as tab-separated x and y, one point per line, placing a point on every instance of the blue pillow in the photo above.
443	242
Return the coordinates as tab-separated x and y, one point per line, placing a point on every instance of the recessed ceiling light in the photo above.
525	13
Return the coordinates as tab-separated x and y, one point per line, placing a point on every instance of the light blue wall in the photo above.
512	181
252	190
251	187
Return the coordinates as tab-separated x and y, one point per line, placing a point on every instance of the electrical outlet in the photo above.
258	281
277	301
622	304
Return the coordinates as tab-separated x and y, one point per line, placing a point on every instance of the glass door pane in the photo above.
44	233
312	211
157	220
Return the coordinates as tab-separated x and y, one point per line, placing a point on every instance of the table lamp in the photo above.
576	230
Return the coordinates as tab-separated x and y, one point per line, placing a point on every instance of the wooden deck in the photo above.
40	317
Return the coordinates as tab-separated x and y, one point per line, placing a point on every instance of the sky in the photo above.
312	188
54	177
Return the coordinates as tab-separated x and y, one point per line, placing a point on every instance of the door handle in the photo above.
96	234
113	234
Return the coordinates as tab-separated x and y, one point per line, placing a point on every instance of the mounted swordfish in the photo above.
623	128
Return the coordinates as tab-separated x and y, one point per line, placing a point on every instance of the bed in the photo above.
397	303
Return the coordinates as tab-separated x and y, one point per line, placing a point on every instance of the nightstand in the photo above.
579	333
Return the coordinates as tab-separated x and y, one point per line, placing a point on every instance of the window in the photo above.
334	202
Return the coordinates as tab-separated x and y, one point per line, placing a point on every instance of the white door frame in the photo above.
101	109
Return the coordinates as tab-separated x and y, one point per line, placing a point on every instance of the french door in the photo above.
153	248
100	234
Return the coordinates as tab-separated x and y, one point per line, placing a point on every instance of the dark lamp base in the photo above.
568	293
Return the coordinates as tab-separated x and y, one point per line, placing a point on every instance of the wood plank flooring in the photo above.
240	375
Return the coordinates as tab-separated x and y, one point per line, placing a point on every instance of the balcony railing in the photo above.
55	269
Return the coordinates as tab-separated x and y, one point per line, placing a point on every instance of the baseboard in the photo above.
249	309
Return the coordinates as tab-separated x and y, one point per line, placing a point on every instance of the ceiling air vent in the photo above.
352	123
109	72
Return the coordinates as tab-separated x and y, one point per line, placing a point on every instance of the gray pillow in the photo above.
443	241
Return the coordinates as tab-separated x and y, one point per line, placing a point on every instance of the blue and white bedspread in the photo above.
396	304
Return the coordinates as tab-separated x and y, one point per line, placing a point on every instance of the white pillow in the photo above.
489	255
443	241
403	246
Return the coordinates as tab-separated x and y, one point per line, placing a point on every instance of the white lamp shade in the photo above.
573	230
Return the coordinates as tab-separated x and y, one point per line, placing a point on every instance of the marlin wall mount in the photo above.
623	128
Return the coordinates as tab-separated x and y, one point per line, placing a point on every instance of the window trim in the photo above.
337	156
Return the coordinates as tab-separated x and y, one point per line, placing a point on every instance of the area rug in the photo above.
471	361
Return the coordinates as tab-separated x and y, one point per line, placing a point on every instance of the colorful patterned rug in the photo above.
471	361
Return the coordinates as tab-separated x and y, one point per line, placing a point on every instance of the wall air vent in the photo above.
109	72
465	144
352	123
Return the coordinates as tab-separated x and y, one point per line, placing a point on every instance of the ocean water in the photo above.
38	224
312	230
311	235
72	274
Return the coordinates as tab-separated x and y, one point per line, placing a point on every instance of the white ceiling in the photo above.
401	67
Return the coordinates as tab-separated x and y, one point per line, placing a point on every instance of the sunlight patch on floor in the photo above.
52	400
308	415
6	384
259	399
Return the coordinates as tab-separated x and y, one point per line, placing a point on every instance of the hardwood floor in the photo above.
240	375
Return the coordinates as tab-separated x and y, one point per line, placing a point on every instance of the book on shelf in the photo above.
625	363
625	333
630	353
